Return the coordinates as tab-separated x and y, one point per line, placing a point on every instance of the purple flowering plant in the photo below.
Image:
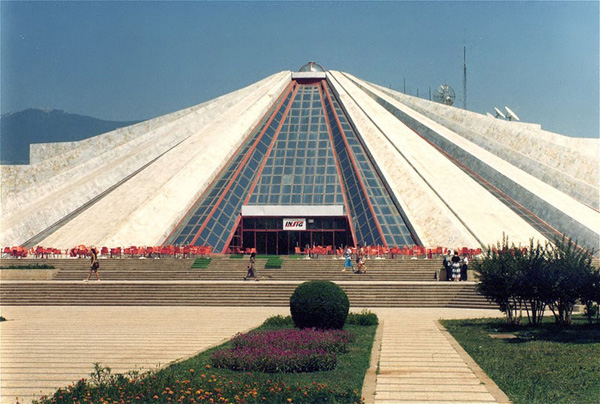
285	351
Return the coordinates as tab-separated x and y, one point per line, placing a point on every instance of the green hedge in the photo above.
201	263
274	262
31	266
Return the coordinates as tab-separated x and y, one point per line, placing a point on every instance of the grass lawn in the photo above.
195	380
545	364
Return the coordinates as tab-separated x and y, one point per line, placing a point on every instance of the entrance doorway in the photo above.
268	237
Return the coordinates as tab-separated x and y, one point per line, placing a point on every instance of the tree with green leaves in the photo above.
532	278
571	267
498	279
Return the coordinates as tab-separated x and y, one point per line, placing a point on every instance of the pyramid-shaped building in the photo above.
309	157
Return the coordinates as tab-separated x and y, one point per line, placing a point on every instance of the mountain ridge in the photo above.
35	125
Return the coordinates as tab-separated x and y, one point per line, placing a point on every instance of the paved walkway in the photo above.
420	362
43	348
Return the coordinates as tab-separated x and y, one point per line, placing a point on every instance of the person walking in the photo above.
95	265
348	259
251	267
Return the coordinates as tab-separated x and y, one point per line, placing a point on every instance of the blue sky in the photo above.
138	60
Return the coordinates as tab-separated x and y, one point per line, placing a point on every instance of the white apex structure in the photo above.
445	176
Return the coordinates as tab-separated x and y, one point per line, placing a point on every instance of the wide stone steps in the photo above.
235	269
168	281
250	293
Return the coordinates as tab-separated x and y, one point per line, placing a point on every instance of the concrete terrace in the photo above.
147	313
44	348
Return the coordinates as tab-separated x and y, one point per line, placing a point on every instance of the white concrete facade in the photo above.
132	186
184	155
438	189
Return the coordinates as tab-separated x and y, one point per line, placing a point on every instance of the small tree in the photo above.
590	295
532	278
570	269
498	279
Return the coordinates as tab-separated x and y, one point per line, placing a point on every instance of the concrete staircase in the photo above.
430	294
326	268
172	282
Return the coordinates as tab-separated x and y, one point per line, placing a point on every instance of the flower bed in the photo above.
286	351
199	387
195	380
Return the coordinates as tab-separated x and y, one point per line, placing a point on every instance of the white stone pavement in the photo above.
43	348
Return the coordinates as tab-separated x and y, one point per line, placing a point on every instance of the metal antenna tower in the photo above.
465	77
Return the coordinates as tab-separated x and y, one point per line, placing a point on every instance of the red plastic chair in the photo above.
20	252
165	251
82	251
115	252
39	252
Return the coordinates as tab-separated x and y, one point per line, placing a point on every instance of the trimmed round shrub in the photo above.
319	304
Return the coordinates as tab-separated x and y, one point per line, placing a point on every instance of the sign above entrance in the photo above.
294	224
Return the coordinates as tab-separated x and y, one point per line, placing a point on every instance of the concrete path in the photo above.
420	362
43	348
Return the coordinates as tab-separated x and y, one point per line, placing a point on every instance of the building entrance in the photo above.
269	235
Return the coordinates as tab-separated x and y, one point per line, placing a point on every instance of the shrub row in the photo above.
274	263
201	263
30	266
532	279
364	318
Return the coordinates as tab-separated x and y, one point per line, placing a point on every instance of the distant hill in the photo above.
19	129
